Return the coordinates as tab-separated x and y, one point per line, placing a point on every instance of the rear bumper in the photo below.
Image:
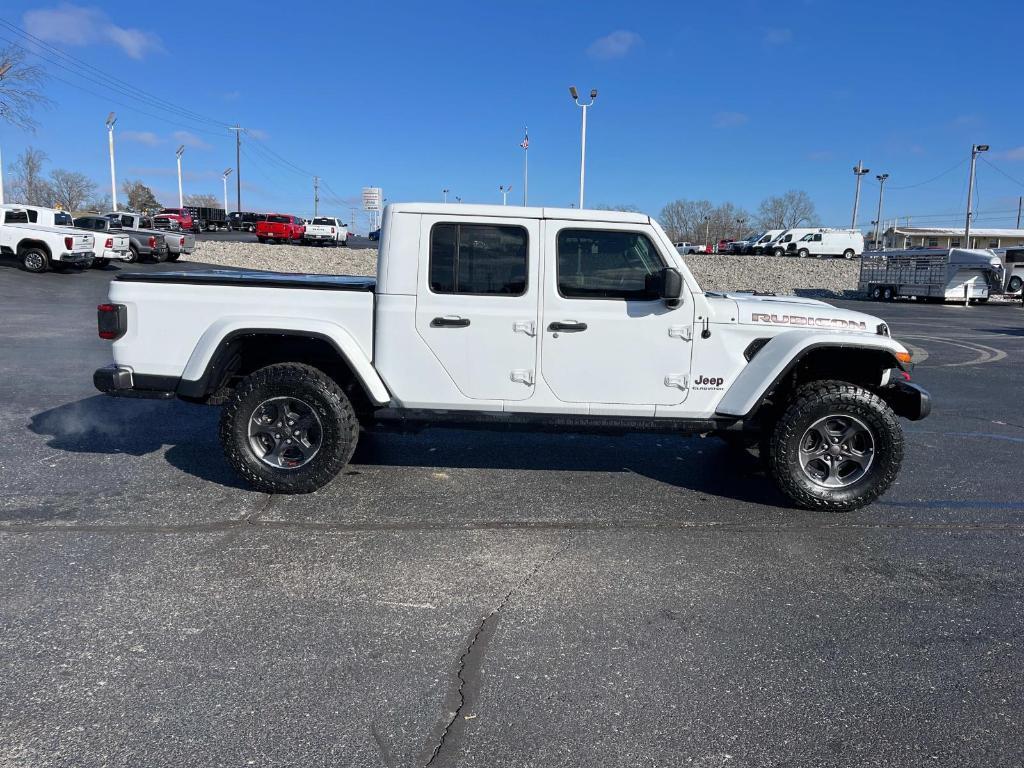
124	255
78	257
908	400
121	381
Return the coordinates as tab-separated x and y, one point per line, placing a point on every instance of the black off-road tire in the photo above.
337	418
174	256
812	402
100	263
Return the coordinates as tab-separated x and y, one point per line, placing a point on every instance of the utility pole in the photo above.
352	218
583	133
1020	204
858	170
975	150
111	119
181	198
878	219
238	166
316	196
707	233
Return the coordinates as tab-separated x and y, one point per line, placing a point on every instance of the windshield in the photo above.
277	219
806	238
324	222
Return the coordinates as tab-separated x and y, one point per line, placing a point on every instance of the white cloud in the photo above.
729	119
190	140
614	46
70	24
148	138
778	36
1017	153
258	133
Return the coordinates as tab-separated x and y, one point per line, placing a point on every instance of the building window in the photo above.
478	259
954	243
933	242
993	243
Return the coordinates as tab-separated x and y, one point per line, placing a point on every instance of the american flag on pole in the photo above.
525	143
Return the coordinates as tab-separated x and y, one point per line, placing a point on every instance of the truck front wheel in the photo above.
288	428
837	447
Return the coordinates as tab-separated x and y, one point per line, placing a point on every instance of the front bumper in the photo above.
908	400
121	381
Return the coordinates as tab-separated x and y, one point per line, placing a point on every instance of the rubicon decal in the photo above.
813	322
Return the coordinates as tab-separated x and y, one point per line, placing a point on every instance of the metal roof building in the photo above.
951	237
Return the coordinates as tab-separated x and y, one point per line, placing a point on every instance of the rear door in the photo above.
476	305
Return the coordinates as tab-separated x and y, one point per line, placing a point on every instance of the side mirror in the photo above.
667	284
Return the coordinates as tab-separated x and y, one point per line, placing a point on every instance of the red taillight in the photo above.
332	230
112	320
181	241
110	242
152	242
69	243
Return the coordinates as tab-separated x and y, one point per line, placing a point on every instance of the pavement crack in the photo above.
469	666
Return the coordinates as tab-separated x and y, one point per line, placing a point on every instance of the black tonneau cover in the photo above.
253	279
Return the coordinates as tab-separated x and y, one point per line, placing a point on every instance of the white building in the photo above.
951	237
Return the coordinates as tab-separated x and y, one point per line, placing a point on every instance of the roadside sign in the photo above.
371	198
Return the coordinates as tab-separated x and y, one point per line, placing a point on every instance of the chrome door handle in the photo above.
570	326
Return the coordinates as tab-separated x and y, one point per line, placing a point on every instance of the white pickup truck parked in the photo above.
479	315
326	230
41	246
108	247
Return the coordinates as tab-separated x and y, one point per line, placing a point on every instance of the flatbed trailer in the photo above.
931	274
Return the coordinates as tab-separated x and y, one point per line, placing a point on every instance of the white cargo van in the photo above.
828	242
761	244
778	246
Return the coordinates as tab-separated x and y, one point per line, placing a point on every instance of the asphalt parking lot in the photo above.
461	598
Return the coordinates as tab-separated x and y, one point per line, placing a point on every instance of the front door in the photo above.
607	336
476	307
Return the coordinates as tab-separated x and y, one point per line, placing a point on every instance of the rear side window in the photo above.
602	264
481	259
16	217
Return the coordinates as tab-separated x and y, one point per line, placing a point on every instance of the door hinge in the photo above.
522	376
524	326
679	380
683	332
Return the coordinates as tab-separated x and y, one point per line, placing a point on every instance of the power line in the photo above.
997	169
933	178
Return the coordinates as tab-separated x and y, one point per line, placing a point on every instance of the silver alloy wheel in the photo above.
285	432
34	261
837	451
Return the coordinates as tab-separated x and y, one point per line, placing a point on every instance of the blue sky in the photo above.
725	101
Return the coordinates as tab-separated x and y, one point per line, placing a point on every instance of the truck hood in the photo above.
797	312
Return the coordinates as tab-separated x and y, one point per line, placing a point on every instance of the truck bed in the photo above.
255	279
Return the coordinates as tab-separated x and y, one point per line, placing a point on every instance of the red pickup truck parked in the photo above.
281	227
180	215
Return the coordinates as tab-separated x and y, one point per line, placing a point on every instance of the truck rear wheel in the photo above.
288	428
34	260
173	256
837	447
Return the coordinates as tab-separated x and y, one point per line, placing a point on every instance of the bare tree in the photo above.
99	203
140	197
203	201
27	184
693	220
793	209
626	207
71	189
19	92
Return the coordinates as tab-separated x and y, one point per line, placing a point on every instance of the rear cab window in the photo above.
478	259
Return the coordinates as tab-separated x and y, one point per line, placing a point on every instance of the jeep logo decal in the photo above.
708	382
815	322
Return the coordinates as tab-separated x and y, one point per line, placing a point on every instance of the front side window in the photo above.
147	223
478	259
604	264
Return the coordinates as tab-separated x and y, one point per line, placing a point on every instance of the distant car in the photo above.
282	228
723	246
374	235
324	230
182	215
686	249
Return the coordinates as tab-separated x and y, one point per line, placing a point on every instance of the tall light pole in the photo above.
458	199
525	144
878	219
178	153
504	189
316	196
227	172
707	233
583	133
444	193
4	68
975	149
858	170
111	119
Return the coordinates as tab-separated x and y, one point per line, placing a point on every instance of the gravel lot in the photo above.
808	277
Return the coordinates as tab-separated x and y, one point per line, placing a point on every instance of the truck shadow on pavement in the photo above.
106	425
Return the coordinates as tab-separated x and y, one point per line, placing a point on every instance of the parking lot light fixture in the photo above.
878	219
975	149
181	198
583	133
504	189
111	119
444	193
859	171
227	172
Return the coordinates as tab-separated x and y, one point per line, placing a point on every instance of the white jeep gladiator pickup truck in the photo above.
326	229
576	320
42	246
